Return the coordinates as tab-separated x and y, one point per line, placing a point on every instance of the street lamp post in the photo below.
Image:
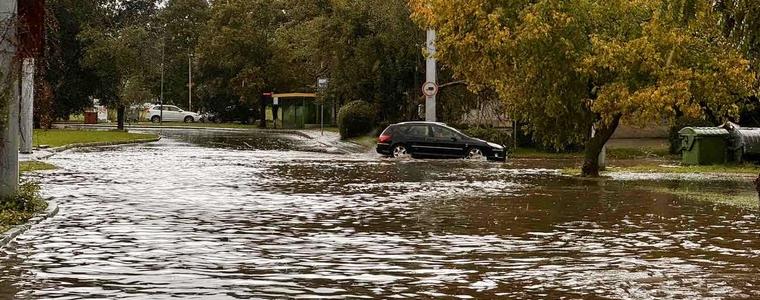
161	100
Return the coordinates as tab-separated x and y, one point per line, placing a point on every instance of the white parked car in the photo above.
171	114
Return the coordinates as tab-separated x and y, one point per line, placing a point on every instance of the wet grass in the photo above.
744	169
542	154
745	199
629	153
59	138
616	153
678	169
34	166
365	141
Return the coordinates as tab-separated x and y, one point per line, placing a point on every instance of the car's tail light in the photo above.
384	139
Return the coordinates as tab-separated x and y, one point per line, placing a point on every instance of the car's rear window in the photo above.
390	130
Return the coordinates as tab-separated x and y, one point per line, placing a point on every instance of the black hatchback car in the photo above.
429	139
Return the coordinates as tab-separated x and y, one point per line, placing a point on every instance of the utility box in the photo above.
90	117
704	145
744	143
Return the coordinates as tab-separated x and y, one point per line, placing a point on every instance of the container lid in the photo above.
703	131
751	133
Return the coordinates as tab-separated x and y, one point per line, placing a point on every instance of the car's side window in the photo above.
440	132
418	131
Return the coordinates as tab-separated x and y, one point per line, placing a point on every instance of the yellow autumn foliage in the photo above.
562	66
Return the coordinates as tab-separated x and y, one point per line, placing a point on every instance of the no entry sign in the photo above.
430	89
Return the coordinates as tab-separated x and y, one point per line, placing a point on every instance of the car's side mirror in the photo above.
453	139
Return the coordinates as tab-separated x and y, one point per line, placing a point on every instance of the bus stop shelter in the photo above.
296	111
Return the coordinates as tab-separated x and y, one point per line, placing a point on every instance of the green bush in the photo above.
356	119
21	207
675	139
494	135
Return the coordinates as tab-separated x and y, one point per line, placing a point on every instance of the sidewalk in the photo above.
39	154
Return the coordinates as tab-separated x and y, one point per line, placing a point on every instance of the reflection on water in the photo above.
249	215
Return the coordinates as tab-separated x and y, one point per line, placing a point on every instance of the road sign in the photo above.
430	89
322	83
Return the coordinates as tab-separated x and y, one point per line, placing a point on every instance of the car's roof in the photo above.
421	123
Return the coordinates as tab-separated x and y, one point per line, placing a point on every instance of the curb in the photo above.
14	232
101	144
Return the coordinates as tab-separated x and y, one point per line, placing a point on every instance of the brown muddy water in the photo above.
212	215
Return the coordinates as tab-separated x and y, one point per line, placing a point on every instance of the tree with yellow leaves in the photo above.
567	66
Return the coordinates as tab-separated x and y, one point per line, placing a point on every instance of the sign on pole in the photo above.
321	87
430	89
322	83
431	76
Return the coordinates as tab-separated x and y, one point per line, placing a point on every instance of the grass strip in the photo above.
33	166
60	137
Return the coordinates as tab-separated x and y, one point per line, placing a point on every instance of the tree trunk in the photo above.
120	115
757	187
594	147
9	105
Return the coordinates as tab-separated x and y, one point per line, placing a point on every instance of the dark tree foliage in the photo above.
71	83
183	22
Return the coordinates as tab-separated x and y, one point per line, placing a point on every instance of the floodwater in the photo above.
202	215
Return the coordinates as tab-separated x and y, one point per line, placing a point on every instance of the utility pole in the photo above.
9	105
431	76
190	82
27	105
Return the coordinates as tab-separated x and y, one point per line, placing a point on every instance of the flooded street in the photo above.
213	215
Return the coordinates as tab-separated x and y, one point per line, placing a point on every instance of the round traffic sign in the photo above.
430	89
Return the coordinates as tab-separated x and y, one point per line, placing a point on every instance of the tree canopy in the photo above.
565	66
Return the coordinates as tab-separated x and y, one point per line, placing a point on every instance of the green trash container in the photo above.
704	145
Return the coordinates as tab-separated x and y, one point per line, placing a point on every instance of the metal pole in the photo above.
161	108
322	119
190	82
9	171
514	135
431	75
27	105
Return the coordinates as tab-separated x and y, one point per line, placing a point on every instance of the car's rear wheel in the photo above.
189	119
475	154
399	151
155	119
